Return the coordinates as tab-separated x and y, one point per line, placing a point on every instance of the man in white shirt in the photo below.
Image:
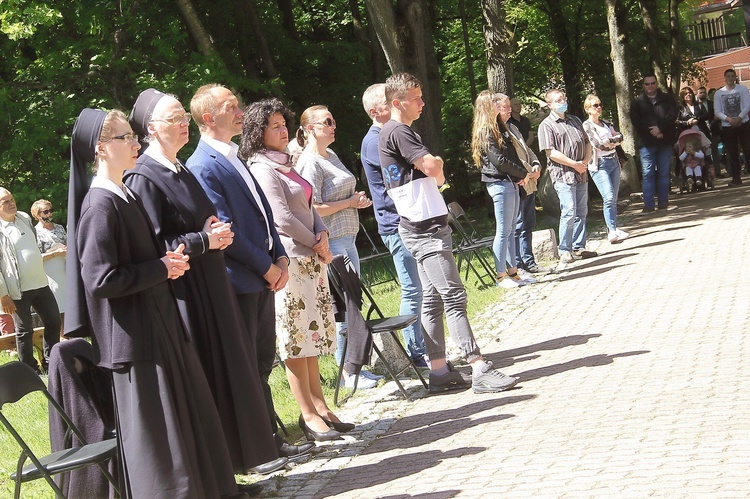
23	283
731	107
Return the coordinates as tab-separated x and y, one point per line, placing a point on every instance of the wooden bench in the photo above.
8	341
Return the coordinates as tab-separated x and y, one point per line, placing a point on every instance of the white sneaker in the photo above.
622	235
567	257
507	282
613	236
362	382
526	277
367	374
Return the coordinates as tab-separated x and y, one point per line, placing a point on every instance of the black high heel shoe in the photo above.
318	436
339	427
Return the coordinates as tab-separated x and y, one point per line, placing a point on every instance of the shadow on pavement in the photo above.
591	361
554	344
443	494
589	273
648	245
353	478
606	258
422	421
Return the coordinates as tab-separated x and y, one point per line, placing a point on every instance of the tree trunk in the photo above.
405	33
467	50
675	53
287	18
195	27
648	12
618	40
497	47
377	56
617	15
567	52
252	21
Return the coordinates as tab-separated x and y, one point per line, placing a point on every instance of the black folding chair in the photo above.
376	323
16	381
468	243
371	255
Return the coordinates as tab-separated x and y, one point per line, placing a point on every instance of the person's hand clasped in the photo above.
176	262
219	233
359	200
277	275
321	246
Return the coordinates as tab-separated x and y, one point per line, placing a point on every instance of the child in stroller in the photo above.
692	147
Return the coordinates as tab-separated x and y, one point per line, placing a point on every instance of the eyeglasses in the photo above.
598	105
46	212
126	137
176	120
327	122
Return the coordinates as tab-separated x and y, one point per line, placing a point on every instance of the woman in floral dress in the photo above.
304	312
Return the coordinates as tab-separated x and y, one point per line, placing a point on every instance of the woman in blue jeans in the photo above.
604	165
493	152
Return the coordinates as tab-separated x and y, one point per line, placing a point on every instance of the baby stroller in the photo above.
695	139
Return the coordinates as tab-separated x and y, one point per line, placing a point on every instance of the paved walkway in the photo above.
634	381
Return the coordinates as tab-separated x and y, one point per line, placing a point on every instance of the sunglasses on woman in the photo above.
598	105
327	122
46	212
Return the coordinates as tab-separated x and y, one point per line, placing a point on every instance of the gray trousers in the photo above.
443	293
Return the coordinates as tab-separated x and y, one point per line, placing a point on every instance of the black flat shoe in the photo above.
316	435
269	467
339	427
291	450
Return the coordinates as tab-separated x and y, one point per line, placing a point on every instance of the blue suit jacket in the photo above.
247	258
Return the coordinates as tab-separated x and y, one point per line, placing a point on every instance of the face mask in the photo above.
47	219
561	108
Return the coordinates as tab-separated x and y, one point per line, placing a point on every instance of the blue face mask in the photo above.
561	108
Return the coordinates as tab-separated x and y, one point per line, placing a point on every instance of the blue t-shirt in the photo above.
385	211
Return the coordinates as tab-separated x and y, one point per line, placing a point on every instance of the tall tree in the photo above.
195	27
497	42
651	28
405	33
617	14
675	53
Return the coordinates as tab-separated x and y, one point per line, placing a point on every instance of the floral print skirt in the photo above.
305	325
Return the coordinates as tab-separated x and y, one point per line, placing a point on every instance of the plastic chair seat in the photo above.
388	324
70	459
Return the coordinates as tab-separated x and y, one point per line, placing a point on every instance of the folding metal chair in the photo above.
376	323
16	381
370	256
468	243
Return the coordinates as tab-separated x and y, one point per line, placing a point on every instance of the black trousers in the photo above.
734	138
259	314
43	302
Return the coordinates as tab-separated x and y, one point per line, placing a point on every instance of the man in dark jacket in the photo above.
653	114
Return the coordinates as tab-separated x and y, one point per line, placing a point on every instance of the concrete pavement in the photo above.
634	381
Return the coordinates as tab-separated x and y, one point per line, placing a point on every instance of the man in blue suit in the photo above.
256	260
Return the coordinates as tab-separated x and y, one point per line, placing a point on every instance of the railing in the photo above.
708	37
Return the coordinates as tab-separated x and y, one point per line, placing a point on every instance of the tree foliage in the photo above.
62	55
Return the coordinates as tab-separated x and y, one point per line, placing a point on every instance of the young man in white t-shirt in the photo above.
731	107
412	176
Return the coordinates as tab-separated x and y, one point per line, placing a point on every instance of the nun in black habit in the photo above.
181	213
171	442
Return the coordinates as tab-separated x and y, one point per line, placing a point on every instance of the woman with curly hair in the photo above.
493	153
304	313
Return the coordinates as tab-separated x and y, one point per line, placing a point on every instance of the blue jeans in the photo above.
655	163
607	180
524	227
343	246
505	200
574	206
411	293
